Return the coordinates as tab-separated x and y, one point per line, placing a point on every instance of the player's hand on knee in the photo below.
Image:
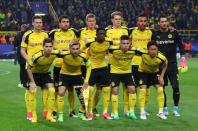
161	81
32	86
85	85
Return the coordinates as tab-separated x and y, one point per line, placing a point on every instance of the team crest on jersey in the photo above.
170	36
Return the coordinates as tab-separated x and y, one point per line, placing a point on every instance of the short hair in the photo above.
90	15
98	29
161	16
143	15
47	40
124	37
150	43
74	42
116	13
62	17
36	17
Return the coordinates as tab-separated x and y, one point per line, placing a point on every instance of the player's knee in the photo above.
52	90
115	91
160	90
131	89
61	91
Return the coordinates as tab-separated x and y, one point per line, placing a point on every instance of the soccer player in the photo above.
168	41
99	73
86	35
71	75
149	75
114	33
32	42
21	60
140	37
39	75
62	38
121	72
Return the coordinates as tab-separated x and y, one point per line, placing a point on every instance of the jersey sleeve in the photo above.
24	42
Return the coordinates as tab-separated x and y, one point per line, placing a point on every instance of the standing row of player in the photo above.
97	48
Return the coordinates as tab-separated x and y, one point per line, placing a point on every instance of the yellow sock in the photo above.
32	103
44	98
90	103
147	95
96	97
125	98
142	97
55	103
160	98
51	101
85	94
114	100
132	102
106	98
71	100
60	104
27	94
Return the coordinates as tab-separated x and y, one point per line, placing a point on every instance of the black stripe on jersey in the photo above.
63	55
35	60
160	58
89	44
84	59
79	31
27	37
130	30
111	50
75	32
52	33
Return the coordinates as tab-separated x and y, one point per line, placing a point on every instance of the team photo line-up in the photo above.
94	62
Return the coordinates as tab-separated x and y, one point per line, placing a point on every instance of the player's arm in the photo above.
24	44
88	73
32	84
23	53
164	67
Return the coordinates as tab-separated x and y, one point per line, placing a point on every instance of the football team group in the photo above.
94	62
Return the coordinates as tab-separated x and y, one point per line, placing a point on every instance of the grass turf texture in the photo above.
13	116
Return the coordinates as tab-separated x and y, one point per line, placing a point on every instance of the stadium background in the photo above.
183	15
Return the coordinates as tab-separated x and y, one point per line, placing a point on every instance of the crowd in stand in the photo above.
183	14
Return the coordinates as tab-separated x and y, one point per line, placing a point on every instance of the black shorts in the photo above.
56	74
41	79
135	74
171	74
70	81
100	77
126	79
148	79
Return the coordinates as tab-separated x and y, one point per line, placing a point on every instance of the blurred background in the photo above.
182	14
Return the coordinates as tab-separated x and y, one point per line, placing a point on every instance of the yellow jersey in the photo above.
86	34
97	52
140	40
33	41
115	33
61	41
72	65
40	63
151	65
121	61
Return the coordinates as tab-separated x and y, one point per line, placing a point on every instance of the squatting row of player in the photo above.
94	60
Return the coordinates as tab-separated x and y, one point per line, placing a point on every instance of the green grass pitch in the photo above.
13	117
